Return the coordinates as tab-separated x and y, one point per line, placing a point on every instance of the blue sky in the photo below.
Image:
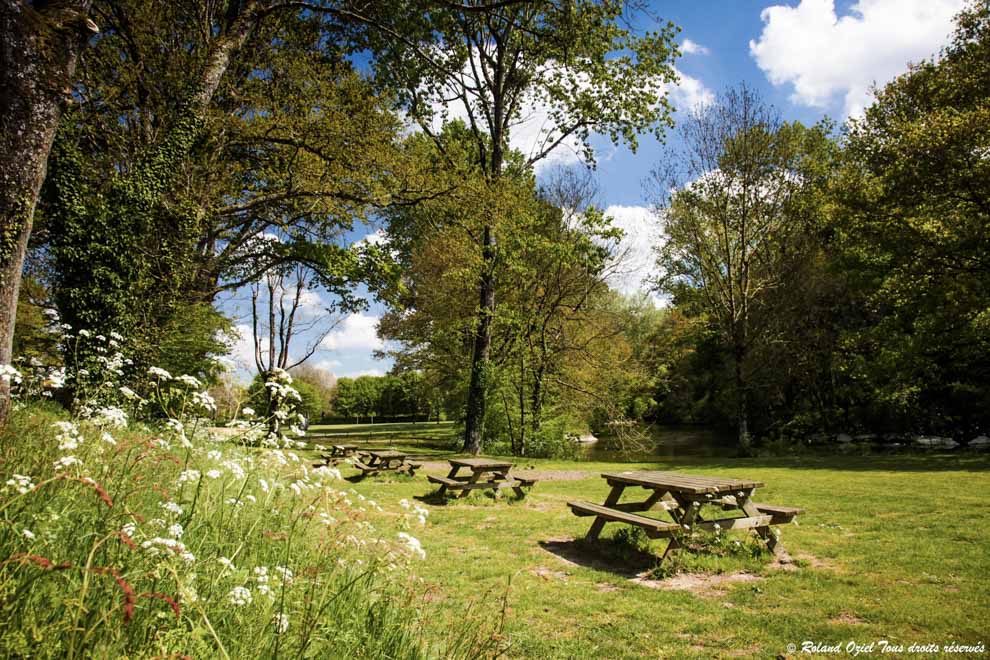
809	58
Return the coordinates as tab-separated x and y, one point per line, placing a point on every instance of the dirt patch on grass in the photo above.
548	573
705	585
553	475
846	619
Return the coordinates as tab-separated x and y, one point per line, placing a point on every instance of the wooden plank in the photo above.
453	484
645	506
732	523
653	527
680	482
386	455
479	463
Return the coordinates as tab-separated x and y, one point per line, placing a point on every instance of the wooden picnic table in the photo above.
484	473
385	460
682	496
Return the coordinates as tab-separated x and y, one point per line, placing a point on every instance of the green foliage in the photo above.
910	236
87	569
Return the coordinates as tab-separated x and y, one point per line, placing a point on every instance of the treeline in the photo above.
406	396
831	280
817	278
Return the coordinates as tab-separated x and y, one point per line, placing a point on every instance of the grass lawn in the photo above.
891	548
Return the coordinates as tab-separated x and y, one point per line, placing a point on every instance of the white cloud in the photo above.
689	47
689	93
825	56
356	332
642	232
242	350
364	372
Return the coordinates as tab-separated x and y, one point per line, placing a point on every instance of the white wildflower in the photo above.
172	507
66	461
191	381
281	623
239	596
412	544
214	474
9	374
28	534
176	530
247	412
189	475
107	438
159	373
21	483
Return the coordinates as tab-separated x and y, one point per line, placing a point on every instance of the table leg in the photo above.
685	516
599	523
746	504
450	475
473	479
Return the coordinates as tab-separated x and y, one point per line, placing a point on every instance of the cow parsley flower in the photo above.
21	483
189	475
239	596
191	381
65	462
9	374
412	544
281	623
159	373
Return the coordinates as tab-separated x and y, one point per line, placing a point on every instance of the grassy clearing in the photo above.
893	548
422	434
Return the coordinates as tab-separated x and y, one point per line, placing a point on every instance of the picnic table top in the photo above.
480	463
680	482
388	453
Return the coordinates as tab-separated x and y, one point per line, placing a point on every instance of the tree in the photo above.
911	235
731	200
575	58
39	47
278	319
292	146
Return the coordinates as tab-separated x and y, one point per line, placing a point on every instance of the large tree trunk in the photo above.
742	401
39	46
478	389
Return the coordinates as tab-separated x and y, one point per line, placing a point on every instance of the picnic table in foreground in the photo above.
682	496
484	474
374	462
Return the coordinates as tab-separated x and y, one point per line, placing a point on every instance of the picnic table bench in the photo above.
484	474
374	462
682	496
337	455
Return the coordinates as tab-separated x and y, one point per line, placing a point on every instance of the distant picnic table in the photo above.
682	496
484	474
373	462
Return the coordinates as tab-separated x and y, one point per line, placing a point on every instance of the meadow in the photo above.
891	548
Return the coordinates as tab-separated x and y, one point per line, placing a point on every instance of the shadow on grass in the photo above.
602	555
483	497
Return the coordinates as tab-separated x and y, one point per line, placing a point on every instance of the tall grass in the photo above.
149	546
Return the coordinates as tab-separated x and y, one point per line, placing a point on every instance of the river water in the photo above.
661	442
